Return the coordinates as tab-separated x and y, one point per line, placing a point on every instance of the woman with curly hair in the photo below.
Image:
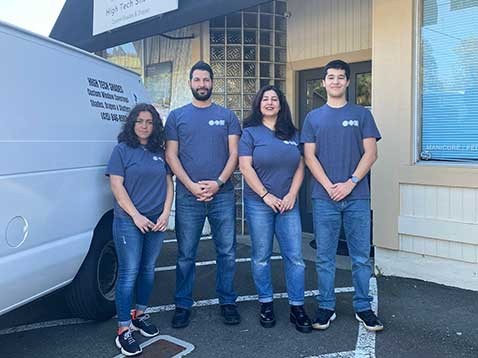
273	168
142	186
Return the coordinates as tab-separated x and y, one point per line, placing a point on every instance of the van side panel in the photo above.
61	111
26	277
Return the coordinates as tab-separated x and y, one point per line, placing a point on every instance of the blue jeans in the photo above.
190	217
263	224
137	254
328	217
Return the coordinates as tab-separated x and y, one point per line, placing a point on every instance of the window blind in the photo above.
449	80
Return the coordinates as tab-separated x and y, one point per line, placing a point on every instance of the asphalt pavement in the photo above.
421	319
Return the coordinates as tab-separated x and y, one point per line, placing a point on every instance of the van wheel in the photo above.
91	295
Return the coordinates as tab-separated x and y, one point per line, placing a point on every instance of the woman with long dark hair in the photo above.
142	186
273	168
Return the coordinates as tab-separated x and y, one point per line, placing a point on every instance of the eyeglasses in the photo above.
140	122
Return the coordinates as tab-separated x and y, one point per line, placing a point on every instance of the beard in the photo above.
201	97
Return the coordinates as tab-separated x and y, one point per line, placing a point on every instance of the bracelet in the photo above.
263	196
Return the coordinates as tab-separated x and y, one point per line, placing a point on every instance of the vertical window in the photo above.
247	51
449	80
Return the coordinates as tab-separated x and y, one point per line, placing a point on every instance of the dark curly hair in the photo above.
285	128
128	136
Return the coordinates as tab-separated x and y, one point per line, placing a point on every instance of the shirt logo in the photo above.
158	158
217	122
350	123
291	142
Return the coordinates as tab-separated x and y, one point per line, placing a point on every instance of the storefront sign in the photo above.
111	14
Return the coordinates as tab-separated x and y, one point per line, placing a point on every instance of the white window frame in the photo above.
416	99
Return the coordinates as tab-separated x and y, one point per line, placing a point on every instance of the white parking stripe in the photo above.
47	324
204	238
207	263
162	308
365	347
349	354
215	301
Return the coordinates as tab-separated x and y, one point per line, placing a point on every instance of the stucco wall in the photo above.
327	27
426	215
320	31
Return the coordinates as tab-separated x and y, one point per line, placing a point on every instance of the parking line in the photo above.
207	263
156	309
246	298
203	238
365	347
349	354
47	324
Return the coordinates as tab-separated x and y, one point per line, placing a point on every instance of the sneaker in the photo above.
266	317
369	320
300	319
230	315
181	317
141	323
323	319
127	344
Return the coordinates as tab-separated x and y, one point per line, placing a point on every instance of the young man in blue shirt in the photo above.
340	147
202	151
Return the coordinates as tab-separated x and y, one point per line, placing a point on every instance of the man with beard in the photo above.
202	151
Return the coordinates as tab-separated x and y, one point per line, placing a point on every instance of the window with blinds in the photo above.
449	80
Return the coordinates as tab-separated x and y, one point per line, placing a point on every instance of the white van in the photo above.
61	110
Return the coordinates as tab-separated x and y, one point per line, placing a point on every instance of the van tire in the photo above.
91	295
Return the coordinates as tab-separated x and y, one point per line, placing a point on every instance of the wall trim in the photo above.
441	174
350	57
466	233
433	269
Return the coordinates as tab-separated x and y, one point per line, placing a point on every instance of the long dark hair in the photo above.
128	136
284	128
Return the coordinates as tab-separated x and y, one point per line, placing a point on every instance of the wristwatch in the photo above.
354	179
219	182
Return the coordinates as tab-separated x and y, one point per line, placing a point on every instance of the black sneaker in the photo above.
266	316
323	319
142	324
300	319
127	344
369	320
181	317
230	315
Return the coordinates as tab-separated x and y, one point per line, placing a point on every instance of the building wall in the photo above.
321	30
439	221
426	215
328	27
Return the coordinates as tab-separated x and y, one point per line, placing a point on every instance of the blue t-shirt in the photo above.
274	160
202	135
338	134
144	176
